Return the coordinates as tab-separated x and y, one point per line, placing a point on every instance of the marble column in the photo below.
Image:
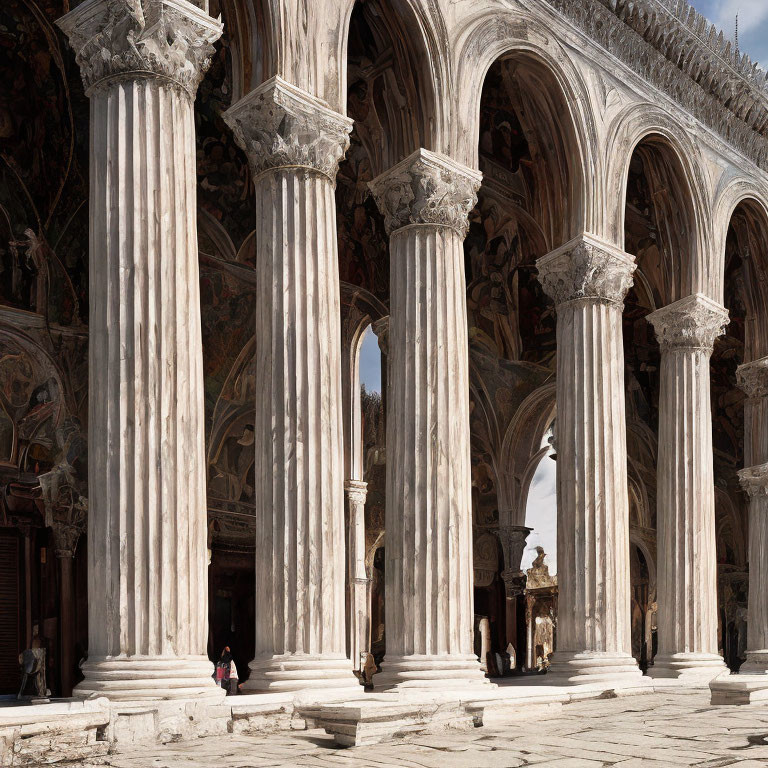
588	279
685	516
752	681
512	539
294	143
141	63
358	583
425	201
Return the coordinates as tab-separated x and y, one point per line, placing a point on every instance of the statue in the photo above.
32	662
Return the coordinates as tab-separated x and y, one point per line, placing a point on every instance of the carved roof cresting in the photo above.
677	50
130	39
426	188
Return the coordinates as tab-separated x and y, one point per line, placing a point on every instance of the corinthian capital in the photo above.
586	268
754	480
753	378
426	188
691	323
281	126
357	491
130	39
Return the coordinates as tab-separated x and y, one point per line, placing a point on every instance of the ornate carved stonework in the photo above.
515	582
279	125
586	268
754	480
512	539
675	49
753	378
130	39
357	491
691	323
426	188
381	329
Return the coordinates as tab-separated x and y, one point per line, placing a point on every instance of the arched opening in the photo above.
660	231
736	439
530	202
540	557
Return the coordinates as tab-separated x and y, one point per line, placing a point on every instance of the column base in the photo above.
756	663
569	668
148	678
739	689
296	672
432	672
697	668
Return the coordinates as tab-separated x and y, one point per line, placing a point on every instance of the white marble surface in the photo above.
147	575
588	279
294	143
425	201
687	556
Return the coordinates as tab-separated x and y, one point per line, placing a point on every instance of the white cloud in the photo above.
751	13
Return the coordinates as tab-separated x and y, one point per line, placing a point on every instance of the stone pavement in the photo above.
651	731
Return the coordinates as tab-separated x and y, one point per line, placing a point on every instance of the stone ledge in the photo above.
739	689
374	722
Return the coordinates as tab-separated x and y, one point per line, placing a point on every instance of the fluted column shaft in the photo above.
429	609
294	143
588	280
147	577
685	520
753	380
358	624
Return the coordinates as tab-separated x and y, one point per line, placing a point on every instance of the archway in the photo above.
530	202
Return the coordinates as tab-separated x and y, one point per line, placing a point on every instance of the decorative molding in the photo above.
752	378
281	126
586	268
512	539
754	480
691	323
357	491
675	49
168	39
381	329
426	188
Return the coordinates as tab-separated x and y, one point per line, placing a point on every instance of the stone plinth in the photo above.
588	279
294	143
687	562
425	201
355	724
147	576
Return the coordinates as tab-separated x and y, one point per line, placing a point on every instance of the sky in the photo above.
753	23
370	360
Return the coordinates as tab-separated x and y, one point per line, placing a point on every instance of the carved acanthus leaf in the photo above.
279	126
512	539
753	378
426	188
754	480
691	323
171	39
357	491
586	269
